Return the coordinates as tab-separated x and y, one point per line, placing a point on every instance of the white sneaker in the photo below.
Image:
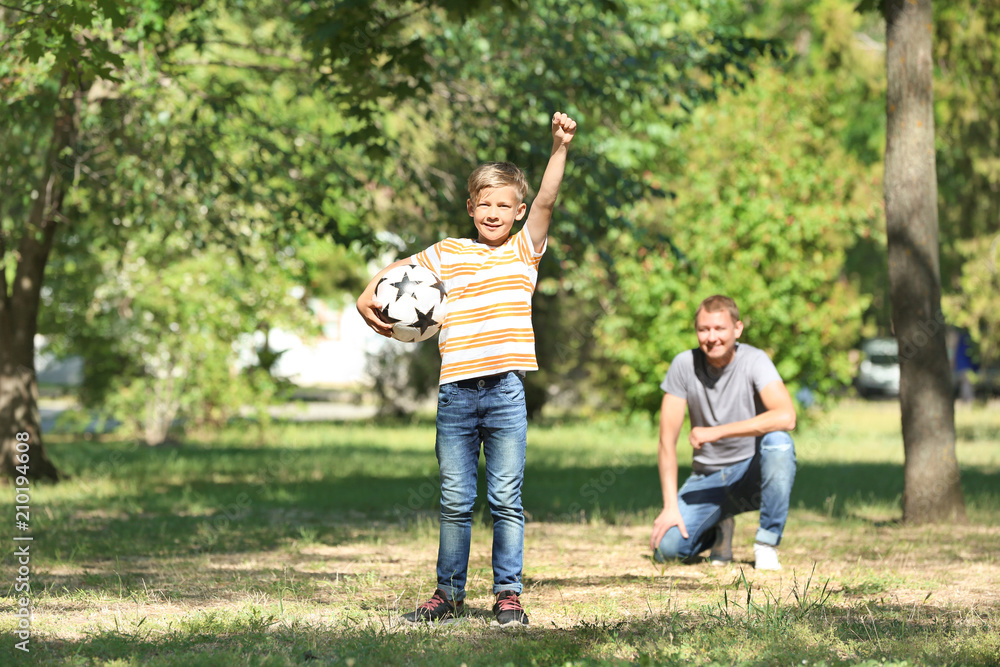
765	557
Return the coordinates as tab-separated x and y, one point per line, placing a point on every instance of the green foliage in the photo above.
975	306
967	117
176	329
292	137
840	52
483	83
758	216
70	33
629	74
332	271
375	52
203	174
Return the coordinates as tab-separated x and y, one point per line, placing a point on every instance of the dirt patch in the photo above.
575	573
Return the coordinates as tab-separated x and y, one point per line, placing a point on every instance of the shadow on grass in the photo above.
193	499
673	583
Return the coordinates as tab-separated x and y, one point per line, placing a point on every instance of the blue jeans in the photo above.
490	411
763	481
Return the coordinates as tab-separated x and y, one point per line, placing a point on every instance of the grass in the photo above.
303	545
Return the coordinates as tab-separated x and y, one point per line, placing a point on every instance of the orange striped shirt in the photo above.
487	327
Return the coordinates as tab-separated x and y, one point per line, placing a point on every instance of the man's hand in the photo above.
668	519
700	435
563	128
368	307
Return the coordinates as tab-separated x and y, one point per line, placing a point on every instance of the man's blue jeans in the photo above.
763	481
490	411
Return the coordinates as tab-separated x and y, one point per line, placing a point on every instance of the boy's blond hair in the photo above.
497	175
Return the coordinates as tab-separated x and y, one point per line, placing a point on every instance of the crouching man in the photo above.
744	458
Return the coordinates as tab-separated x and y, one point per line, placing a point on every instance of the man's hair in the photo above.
716	304
497	175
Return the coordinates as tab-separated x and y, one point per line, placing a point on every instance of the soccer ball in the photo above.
413	301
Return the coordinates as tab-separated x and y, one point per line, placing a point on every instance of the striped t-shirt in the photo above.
487	327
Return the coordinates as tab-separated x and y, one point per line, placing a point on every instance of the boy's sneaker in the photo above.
722	550
438	608
508	609
765	557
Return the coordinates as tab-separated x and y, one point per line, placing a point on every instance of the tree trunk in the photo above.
932	491
19	305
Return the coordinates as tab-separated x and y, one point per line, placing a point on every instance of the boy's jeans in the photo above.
763	481
491	411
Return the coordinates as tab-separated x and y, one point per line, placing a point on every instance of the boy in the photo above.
486	344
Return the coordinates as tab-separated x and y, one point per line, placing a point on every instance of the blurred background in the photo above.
201	190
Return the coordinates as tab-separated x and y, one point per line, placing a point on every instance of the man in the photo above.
744	458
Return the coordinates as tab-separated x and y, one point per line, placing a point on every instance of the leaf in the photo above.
112	10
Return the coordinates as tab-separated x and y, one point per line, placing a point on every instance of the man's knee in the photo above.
778	448
778	464
777	441
672	547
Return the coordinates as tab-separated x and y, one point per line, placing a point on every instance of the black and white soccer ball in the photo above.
413	301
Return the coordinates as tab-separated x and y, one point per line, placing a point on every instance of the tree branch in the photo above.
24	11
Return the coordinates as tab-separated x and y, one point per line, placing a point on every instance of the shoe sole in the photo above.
508	624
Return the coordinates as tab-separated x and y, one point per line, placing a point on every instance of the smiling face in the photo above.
717	335
495	212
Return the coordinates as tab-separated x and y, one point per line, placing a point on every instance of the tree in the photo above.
48	51
768	202
156	119
481	81
217	174
932	490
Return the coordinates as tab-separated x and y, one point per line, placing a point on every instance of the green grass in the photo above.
302	545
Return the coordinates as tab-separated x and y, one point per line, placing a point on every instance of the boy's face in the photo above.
495	213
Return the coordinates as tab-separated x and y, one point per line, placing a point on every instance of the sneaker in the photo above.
438	608
722	550
765	557
508	609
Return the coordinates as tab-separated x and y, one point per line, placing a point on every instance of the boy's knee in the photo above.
456	508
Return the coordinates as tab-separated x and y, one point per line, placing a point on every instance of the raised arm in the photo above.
779	415
671	419
540	215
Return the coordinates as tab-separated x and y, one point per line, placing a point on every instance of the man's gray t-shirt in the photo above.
721	396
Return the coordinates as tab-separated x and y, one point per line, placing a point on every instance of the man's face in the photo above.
717	334
495	213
